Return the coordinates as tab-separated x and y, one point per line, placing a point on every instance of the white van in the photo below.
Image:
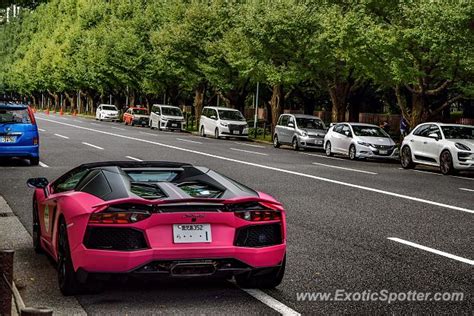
166	117
107	112
222	122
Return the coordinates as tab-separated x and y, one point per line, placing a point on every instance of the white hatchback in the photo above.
107	112
447	146
222	122
358	140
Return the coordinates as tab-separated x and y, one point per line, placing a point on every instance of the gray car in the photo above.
299	131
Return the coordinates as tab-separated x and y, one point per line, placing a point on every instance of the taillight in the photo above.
259	216
117	217
35	141
32	116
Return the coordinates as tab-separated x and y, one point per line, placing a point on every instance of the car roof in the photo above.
302	115
220	108
355	123
15	106
107	105
166	105
447	124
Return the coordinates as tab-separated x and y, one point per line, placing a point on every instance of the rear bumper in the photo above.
19	151
101	261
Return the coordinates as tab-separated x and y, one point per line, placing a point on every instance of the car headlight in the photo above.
164	119
224	124
304	134
462	147
365	144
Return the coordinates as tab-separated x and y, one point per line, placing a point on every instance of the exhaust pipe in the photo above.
193	269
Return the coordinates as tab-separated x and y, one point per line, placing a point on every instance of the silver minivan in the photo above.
299	131
166	117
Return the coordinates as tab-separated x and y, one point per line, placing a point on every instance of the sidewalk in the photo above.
34	275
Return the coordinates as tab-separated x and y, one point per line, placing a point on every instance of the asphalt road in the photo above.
341	214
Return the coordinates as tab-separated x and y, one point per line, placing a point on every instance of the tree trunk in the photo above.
198	101
276	103
339	93
72	101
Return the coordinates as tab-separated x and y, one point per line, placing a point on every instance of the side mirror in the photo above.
213	117
39	183
291	125
433	135
347	133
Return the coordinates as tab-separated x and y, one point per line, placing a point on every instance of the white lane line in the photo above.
472	179
343	168
93	146
271	302
464	189
189	141
62	136
438	252
95	124
248	163
42	164
119	128
250	145
76	120
321	156
41	130
249	151
428	172
133	158
145	133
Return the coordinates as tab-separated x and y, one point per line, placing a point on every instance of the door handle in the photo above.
425	143
411	140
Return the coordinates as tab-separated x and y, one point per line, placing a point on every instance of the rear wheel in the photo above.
67	277
202	133
352	152
405	160
36	227
328	149
34	161
216	133
262	281
295	144
276	144
446	163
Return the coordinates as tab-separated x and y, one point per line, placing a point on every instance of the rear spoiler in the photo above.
190	201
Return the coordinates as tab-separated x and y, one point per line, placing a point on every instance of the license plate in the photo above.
235	132
383	152
189	233
7	139
318	142
174	125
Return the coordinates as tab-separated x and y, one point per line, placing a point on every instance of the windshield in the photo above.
140	112
14	116
370	131
109	108
309	123
171	111
458	132
231	115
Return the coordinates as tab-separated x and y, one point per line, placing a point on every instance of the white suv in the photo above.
447	146
166	117
107	112
222	122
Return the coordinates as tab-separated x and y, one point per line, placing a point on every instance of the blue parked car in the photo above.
18	132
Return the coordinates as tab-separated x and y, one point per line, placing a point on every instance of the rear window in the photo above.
14	116
152	176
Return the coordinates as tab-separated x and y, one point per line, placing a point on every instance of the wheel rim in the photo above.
352	152
216	133
328	148
202	131
275	140
406	156
446	162
62	255
295	143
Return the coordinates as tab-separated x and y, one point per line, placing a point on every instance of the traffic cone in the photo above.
61	112
47	111
74	113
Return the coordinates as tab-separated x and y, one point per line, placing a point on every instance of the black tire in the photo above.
268	280
446	163
405	158
131	123
294	144
34	161
67	277
202	132
276	144
328	149
352	152
36	227
216	133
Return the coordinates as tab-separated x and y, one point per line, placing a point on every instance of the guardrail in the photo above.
8	290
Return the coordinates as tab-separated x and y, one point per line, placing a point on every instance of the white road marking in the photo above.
42	164
95	124
343	168
93	146
122	129
249	151
148	133
321	156
41	130
189	141
465	178
76	120
250	145
62	136
464	189
248	163
438	252
133	158
428	172
271	302
439	174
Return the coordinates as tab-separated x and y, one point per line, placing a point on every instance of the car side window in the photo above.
284	120
338	128
346	130
434	129
204	113
213	113
291	119
69	182
422	131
